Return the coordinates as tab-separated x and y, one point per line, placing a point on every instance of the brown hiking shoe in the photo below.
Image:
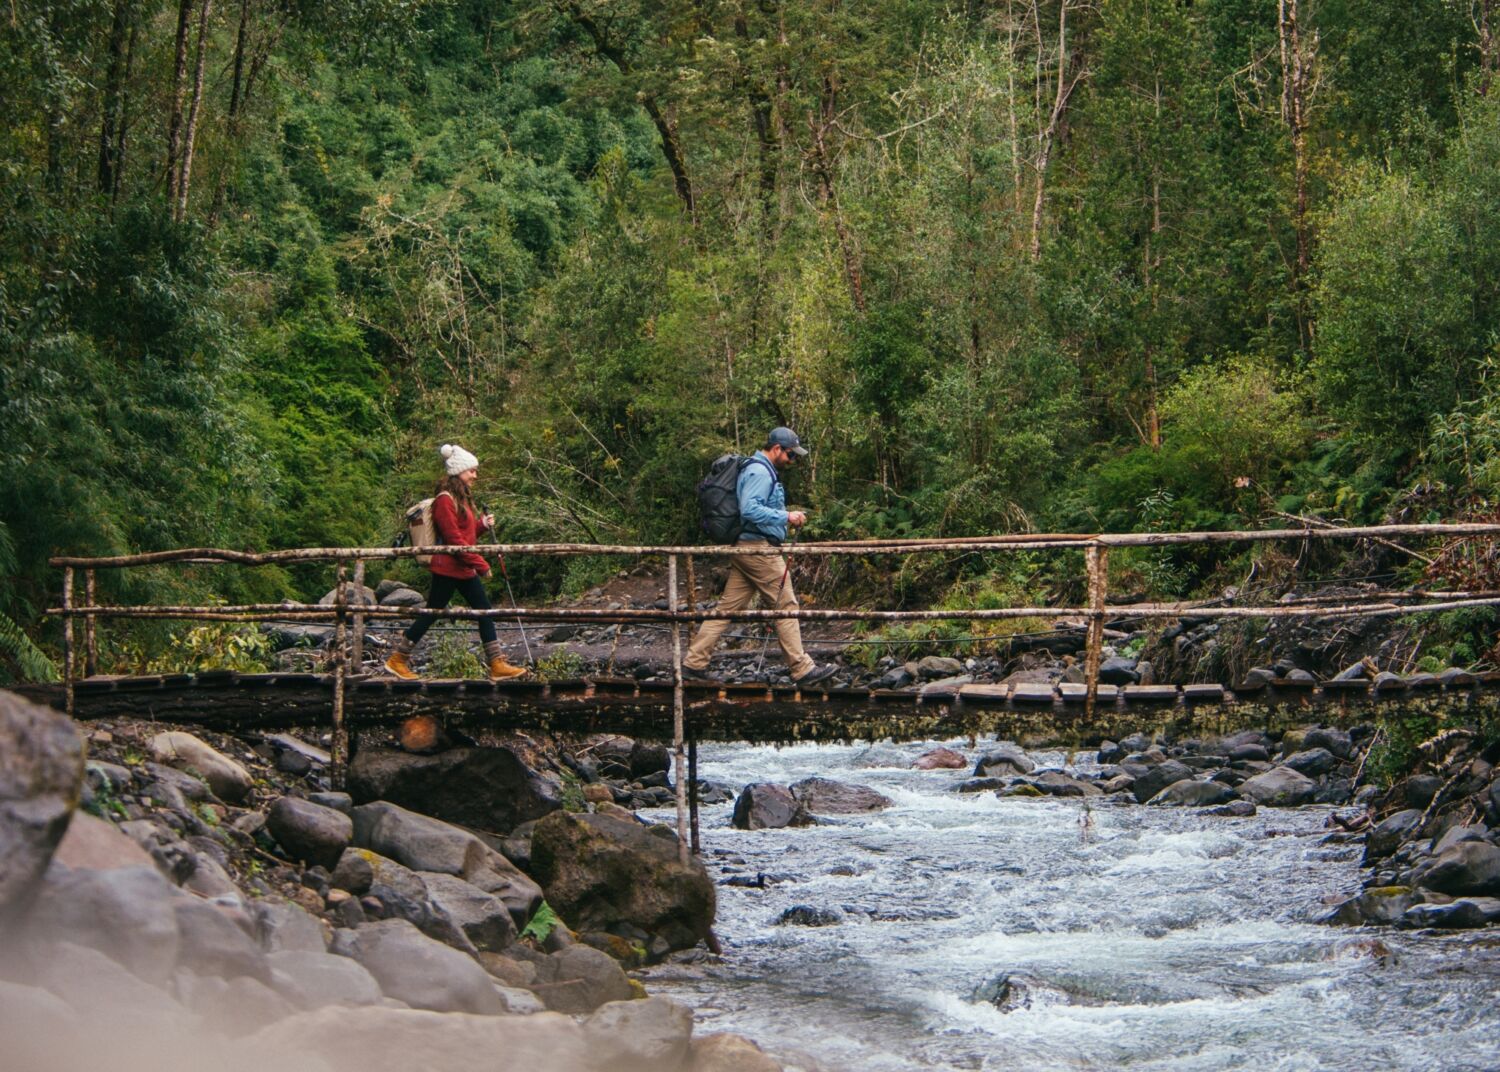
399	663
500	670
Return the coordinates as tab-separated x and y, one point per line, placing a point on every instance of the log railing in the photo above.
347	619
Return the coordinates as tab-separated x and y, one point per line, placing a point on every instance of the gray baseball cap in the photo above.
785	437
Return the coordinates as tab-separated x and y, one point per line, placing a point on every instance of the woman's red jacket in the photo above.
454	531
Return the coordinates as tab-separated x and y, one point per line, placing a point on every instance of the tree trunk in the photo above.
1297	85
192	123
1049	134
823	168
1489	46
179	76
110	122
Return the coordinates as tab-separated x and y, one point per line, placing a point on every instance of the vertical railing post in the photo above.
680	762
357	649
693	789
67	602
1096	561
90	646
339	753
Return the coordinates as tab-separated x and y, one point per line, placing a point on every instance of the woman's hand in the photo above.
487	520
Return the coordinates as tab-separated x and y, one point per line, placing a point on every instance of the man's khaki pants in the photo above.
750	576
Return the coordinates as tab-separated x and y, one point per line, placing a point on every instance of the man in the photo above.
764	519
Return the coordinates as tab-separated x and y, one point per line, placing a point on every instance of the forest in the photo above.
1051	265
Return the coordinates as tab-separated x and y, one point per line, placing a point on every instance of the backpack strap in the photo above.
756	459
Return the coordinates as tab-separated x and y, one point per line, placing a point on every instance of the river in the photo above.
1186	941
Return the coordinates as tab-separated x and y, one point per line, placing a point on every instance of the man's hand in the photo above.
796	518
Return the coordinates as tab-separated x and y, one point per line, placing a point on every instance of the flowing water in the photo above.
1156	938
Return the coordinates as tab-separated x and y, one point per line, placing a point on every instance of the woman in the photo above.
458	523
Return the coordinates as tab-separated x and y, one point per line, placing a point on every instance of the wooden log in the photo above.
678	728
1096	559
693	787
357	654
340	750
67	596
90	646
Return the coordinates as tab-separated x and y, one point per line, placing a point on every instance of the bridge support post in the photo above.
1096	561
692	743
357	649
339	752
90	646
67	602
678	718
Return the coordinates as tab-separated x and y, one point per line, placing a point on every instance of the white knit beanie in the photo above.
456	459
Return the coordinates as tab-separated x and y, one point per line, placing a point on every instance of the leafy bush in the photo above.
215	646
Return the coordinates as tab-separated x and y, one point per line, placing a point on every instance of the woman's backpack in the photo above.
420	529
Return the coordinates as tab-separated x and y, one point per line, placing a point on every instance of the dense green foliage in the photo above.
1042	263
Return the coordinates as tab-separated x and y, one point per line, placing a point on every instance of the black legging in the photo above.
437	598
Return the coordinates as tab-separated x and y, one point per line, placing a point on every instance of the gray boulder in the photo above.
424	844
1002	760
403	597
485	788
1333	740
1470	867
210	943
484	919
232	1007
651	1035
1312	762
1118	670
1466	913
933	667
127	914
579	979
281	926
1388	835
602	872
1157	778
311	980
1193	794
354	595
41	776
104	992
309	831
229	781
764	806
824	796
424	973
1055	783
1279	787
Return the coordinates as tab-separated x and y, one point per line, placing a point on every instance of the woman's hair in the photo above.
463	498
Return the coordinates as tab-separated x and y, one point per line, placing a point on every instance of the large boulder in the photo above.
1191	794
651	1035
1312	762
1003	759
724	1052
424	973
210	943
579	979
41	775
1468	868
1387	836
937	759
309	831
374	1039
424	844
229	781
486	788
602	872
764	806
1279	787
310	980
824	796
128	914
1158	778
484	919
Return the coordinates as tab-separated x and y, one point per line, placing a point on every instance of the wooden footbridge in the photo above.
686	711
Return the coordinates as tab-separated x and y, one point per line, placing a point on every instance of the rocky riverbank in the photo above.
176	898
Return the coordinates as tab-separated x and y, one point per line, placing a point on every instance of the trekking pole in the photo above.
511	595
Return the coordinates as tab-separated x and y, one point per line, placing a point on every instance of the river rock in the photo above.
403	597
484	918
1254	753
1421	788
809	916
354	595
824	796
1457	835
1279	787
729	1053
229	781
104	993
1379	904
486	788
309	831
1157	778
1193	794
127	914
1019	990
98	846
41	777
210	943
1386	837
1002	760
1118	670
281	927
1335	741
425	844
579	979
764	806
376	1039
1056	783
1470	867
934	667
1110	753
1312	762
650	1035
939	759
1465	913
982	785
1235	809
602	871
411	967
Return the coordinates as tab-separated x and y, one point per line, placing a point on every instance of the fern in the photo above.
29	660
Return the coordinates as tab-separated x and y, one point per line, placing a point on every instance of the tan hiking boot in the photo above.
399	663
500	670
